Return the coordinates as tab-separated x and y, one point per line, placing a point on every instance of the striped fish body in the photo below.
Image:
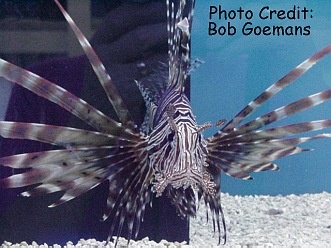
177	150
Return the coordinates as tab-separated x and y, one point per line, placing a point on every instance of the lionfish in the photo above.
169	154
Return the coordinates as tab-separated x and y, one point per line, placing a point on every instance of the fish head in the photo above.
178	150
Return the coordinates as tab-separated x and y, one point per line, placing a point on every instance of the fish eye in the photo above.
170	136
199	138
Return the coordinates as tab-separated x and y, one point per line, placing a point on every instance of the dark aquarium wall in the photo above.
35	36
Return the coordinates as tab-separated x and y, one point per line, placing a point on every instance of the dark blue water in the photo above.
239	67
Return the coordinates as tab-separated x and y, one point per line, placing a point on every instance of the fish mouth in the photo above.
184	180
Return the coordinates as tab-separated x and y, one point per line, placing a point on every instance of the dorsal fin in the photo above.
179	34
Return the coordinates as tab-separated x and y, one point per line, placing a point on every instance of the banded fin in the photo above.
116	153
184	201
152	89
276	132
240	159
213	204
61	97
99	69
61	136
179	35
69	170
90	159
129	192
240	150
282	112
276	87
77	170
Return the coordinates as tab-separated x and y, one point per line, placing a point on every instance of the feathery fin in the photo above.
104	78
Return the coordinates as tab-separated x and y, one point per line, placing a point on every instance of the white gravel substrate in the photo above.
252	221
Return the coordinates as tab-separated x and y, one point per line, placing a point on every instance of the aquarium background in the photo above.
27	40
238	68
235	71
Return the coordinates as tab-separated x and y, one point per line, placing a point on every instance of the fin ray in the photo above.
99	69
